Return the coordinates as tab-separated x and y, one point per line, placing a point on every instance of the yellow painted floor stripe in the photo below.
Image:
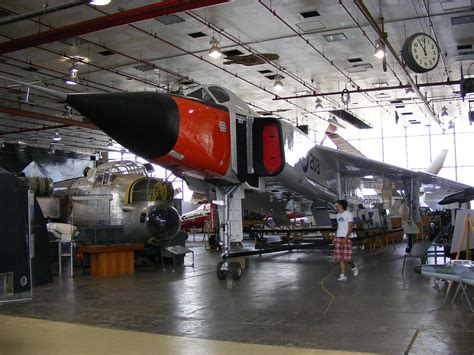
34	336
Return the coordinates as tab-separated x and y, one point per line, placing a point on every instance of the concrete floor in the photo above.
287	299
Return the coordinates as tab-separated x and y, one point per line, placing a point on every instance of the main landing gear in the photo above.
226	267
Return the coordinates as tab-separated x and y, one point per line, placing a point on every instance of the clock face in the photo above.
425	52
421	53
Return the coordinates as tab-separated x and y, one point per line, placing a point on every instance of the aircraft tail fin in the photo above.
437	163
343	145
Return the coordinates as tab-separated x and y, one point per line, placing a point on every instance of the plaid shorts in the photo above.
342	251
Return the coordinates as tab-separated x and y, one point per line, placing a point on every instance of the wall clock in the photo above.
420	52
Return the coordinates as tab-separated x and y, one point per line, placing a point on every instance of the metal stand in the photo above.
462	287
173	252
68	253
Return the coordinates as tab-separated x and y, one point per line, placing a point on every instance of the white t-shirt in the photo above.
343	220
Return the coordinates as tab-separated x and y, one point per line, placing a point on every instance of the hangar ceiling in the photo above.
315	47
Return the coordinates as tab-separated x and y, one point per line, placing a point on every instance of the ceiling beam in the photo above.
48	118
46	128
147	12
41	12
359	91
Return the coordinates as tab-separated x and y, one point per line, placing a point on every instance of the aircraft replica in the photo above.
196	218
223	149
118	202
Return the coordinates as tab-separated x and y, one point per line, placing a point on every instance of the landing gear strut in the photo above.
225	267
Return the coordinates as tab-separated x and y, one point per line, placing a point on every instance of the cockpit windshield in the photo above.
219	93
201	94
106	173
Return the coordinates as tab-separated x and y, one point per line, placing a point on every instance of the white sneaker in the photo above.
342	277
355	271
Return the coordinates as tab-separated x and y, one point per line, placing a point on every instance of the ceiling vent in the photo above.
407	113
144	67
393	102
232	52
463	47
309	14
462	20
265	71
73	41
469	55
354	60
335	37
197	34
169	19
106	53
380	84
310	26
450	5
272	77
359	68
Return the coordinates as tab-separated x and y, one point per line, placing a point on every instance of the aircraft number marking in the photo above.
314	164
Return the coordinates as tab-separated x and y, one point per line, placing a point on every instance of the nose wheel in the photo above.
232	268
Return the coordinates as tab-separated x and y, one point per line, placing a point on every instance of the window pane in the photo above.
448	173
395	152
464	142
372	148
419	152
466	175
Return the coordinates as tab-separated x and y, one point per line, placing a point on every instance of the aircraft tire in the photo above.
235	270
221	275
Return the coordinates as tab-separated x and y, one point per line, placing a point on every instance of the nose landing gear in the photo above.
226	267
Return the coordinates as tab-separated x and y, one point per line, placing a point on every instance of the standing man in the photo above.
342	243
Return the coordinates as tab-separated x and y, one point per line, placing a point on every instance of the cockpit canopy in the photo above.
219	95
105	173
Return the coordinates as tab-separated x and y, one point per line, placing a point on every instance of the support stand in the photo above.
465	234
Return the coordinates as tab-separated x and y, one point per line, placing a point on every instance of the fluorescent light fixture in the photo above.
319	105
99	2
379	49
56	137
215	51
410	92
73	75
278	85
444	112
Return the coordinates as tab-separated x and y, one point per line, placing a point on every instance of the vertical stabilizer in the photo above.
437	163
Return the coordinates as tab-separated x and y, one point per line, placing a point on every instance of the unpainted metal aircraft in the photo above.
213	140
118	202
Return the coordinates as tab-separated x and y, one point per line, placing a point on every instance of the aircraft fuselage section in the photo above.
202	148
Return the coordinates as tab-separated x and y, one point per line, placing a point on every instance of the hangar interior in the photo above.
307	66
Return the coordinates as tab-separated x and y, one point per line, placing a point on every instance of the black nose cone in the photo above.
146	123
